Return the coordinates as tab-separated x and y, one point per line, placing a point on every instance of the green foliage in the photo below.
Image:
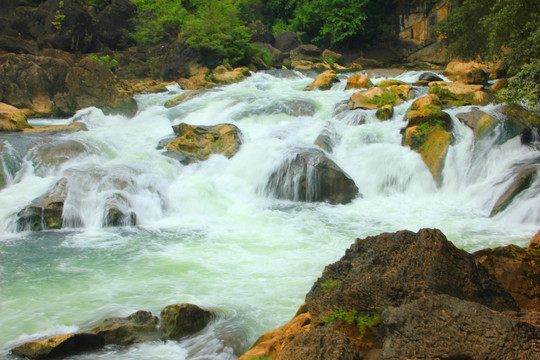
98	5
105	60
263	54
330	21
58	21
362	321
488	29
386	98
442	93
217	31
524	88
158	20
264	357
330	284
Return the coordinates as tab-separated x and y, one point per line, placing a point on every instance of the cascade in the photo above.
140	230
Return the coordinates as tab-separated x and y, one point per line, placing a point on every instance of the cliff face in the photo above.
415	23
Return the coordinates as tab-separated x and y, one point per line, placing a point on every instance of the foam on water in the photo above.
209	234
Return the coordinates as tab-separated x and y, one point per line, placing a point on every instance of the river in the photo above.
209	233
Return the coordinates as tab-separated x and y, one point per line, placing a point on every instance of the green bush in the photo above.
362	321
524	88
217	31
158	20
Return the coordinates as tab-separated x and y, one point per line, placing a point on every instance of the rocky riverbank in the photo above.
395	295
415	295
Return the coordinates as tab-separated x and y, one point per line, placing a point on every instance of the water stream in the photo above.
208	233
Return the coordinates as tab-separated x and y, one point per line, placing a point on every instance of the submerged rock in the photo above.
45	212
521	182
116	217
197	143
310	176
178	320
480	122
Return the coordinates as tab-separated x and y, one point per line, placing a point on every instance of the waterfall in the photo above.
140	230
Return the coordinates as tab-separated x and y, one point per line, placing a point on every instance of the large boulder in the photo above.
48	156
428	132
12	119
405	295
197	143
358	81
469	73
521	182
44	212
458	93
306	52
517	270
324	81
309	175
179	320
366	99
480	122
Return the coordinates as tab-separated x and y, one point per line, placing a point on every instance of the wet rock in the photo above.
12	119
221	75
137	327
480	122
480	98
45	212
468	73
358	81
197	143
535	241
57	129
456	93
188	95
179	320
429	77
521	182
429	115
332	56
116	217
430	100
366	99
324	81
327	140
520	122
286	41
320	344
445	327
385	112
271	343
310	176
50	155
393	269
432	143
59	346
518	271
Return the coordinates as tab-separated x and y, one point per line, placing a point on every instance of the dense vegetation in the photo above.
506	31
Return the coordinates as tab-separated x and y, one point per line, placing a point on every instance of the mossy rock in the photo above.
385	112
324	81
358	81
432	116
390	82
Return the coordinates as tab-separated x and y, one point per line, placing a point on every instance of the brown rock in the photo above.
55	129
358	81
499	85
197	143
12	119
433	117
58	346
432	144
521	182
320	344
479	121
430	100
332	55
535	241
363	99
271	343
222	76
324	81
385	112
480	98
137	327
469	73
518	271
179	320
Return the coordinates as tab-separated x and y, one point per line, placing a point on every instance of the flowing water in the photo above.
209	233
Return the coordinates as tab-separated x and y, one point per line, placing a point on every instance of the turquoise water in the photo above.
208	233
